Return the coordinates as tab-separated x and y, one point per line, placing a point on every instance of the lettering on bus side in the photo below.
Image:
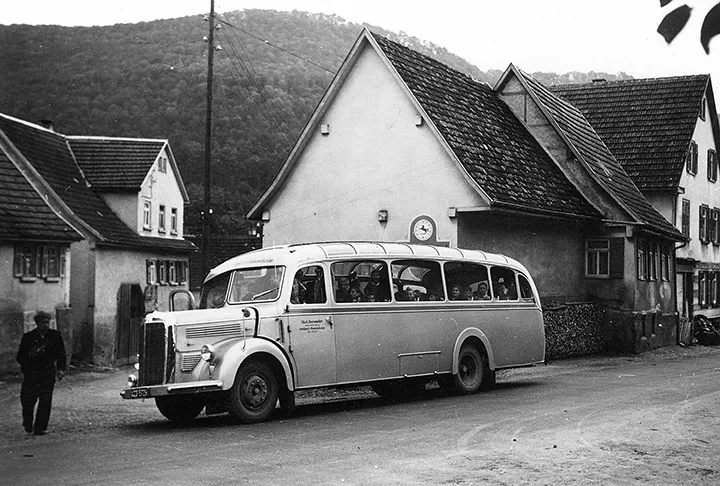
311	325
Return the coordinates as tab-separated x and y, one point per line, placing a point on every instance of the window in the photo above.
704	222
703	107
712	289
161	219
691	160
467	281
716	294
361	281
417	280
712	164
32	261
665	264
652	263
641	261
526	292
162	164
686	218
182	272
150	271
309	286
172	272
702	288
162	272
174	221
503	283
597	258
147	220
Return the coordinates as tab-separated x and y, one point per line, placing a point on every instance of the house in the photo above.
124	198
404	148
665	133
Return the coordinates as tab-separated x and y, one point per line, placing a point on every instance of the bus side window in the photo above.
309	286
467	281
526	292
503	282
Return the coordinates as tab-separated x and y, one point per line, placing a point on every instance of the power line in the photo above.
265	41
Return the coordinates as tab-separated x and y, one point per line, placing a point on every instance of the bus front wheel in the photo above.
473	370
180	409
255	392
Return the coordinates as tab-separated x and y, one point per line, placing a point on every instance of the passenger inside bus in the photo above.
467	293
456	292
378	286
482	291
342	294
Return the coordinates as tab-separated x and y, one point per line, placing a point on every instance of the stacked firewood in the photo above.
573	330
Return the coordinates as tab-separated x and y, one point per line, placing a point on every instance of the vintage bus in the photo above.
390	315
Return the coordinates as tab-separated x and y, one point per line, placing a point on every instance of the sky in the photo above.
551	35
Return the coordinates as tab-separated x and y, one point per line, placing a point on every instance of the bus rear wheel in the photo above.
473	371
180	409
255	392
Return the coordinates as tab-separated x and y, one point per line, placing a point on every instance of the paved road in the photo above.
649	419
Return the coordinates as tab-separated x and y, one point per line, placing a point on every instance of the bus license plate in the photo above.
139	393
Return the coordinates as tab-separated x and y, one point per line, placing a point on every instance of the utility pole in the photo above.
208	143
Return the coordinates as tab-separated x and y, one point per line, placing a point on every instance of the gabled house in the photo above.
400	138
34	254
665	133
125	198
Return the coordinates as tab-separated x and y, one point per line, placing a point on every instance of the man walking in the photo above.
42	358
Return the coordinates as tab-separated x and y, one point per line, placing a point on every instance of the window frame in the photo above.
173	221
685	218
691	159
712	166
161	218
704	223
597	260
147	215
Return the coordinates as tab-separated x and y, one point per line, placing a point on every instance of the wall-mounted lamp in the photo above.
325	128
383	216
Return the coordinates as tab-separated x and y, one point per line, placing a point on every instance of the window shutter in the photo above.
617	257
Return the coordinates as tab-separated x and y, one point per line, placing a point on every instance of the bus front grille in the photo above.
154	351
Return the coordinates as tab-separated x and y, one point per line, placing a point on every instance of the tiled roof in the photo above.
646	123
590	147
49	154
115	164
492	145
24	215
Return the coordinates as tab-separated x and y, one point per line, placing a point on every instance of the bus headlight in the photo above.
207	353
132	381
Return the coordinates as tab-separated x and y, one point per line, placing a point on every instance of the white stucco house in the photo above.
124	197
404	148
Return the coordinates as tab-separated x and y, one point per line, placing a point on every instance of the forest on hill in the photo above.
148	80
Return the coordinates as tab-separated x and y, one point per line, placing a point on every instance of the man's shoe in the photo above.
39	432
28	430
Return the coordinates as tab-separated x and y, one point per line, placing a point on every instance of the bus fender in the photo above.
232	354
468	333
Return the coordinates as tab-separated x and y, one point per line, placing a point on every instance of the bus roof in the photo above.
286	255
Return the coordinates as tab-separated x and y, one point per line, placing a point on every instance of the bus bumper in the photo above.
171	389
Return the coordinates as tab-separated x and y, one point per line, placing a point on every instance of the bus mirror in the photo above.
246	312
182	300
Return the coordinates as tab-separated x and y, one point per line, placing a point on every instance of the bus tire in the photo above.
180	409
255	392
473	370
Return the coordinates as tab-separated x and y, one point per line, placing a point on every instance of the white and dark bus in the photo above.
390	315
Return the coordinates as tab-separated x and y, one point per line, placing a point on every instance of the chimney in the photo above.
48	124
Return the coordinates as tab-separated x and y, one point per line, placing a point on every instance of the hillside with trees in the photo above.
148	80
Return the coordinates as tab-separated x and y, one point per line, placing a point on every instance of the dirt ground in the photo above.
641	419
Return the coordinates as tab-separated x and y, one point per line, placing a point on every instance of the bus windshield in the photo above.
256	284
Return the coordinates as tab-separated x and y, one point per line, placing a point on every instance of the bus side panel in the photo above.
516	334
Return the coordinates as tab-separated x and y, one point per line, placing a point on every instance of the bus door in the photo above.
311	333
